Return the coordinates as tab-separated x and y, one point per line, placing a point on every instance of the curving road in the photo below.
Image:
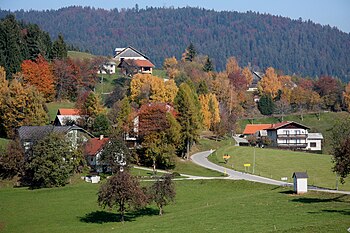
201	159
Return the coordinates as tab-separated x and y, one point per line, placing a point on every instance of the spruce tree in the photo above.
59	48
208	66
190	53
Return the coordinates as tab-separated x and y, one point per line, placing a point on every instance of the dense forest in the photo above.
293	46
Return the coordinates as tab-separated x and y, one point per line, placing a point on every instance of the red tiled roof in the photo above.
68	111
253	128
94	145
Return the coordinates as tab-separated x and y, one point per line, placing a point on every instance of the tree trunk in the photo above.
160	210
154	166
188	149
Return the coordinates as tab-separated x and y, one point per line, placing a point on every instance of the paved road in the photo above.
202	160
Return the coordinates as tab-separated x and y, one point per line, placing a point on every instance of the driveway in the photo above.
201	159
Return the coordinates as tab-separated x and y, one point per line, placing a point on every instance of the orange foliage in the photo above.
40	75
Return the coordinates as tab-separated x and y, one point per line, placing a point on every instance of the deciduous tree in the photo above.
341	148
50	164
40	75
269	84
163	192
123	191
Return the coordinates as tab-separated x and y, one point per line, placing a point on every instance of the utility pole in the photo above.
254	161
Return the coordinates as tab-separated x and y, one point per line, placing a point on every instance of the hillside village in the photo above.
121	114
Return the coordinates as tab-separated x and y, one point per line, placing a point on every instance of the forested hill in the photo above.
294	46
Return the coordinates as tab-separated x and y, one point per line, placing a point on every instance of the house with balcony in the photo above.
287	135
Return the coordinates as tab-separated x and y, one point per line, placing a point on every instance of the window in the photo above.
286	132
312	144
297	131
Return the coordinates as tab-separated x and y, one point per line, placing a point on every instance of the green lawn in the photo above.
281	163
79	55
54	106
200	206
159	73
324	125
3	142
107	83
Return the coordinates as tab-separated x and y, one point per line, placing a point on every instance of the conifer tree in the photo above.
59	48
190	53
208	66
188	117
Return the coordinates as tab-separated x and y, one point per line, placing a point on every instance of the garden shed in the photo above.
300	182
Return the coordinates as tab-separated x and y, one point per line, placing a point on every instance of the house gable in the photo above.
129	53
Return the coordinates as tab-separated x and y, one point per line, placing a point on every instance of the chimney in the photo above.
101	137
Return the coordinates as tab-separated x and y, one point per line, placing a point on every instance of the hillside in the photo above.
294	46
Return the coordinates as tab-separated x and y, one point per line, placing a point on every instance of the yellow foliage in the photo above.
232	66
346	96
248	75
152	87
270	84
210	110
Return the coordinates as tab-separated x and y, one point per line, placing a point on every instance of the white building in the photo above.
314	142
108	68
300	182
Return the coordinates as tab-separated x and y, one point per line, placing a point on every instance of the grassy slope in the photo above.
79	55
281	163
324	125
54	106
201	206
3	142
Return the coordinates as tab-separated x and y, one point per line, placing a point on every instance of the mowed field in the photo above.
275	164
200	206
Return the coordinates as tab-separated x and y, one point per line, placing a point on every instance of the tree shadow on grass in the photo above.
105	217
311	200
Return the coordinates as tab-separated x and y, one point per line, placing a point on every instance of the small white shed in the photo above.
300	182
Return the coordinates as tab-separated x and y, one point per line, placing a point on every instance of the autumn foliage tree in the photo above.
346	96
210	110
159	134
270	84
20	106
151	88
39	74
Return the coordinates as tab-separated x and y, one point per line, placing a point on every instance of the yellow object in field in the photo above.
247	164
226	156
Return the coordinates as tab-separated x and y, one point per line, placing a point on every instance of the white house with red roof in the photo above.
288	134
67	116
93	150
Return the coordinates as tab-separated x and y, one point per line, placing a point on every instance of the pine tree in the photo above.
266	105
59	48
190	53
208	66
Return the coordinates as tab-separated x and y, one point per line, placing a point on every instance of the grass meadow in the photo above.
275	164
200	206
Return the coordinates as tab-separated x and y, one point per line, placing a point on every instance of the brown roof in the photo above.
94	145
285	123
253	128
68	111
137	62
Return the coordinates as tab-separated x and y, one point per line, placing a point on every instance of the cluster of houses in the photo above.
287	135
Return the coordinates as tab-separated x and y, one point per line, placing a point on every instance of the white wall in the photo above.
300	185
318	144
